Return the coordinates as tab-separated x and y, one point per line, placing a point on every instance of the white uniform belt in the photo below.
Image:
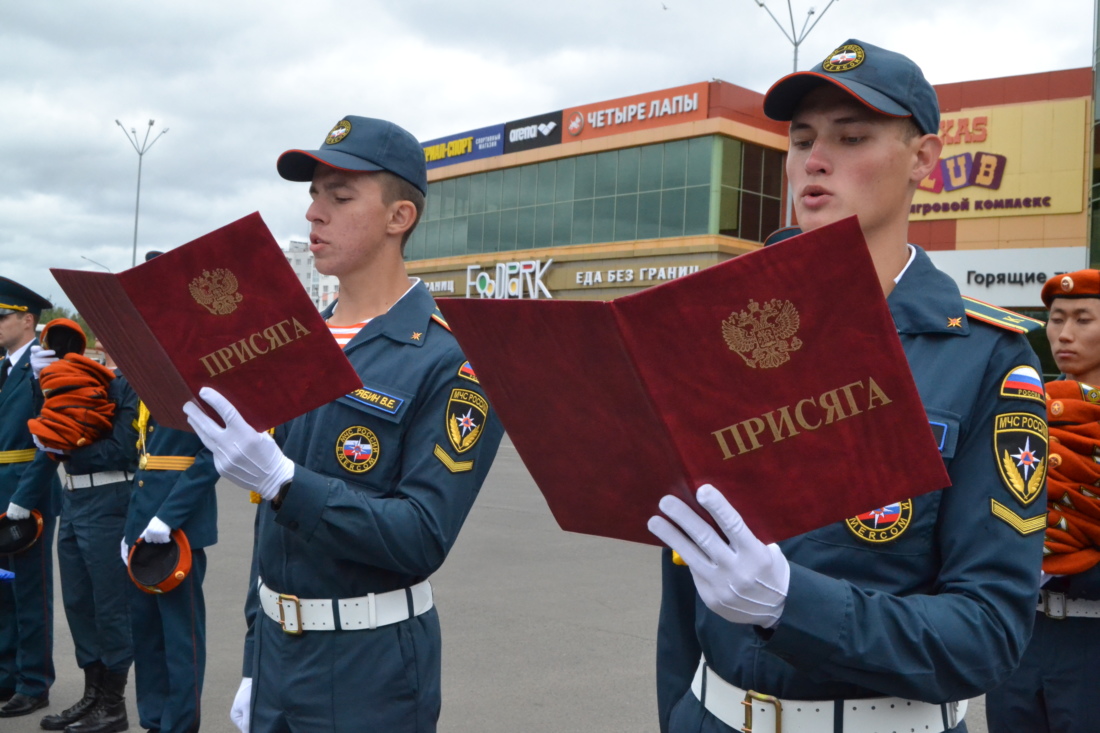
747	710
296	615
88	480
1057	606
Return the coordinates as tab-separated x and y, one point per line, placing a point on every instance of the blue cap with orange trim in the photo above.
887	82
361	144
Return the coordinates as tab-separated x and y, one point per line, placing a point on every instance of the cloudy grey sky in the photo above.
239	82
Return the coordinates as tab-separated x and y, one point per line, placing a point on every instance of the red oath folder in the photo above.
224	311
777	376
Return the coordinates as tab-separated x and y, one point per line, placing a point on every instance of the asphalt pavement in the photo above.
543	631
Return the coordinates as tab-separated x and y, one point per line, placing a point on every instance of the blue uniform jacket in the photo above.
941	612
31	485
181	499
380	489
117	451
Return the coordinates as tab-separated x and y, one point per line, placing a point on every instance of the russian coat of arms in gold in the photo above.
763	335
216	291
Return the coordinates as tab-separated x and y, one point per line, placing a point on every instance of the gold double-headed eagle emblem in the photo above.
764	335
216	291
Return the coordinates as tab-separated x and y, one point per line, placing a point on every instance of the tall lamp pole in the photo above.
796	39
89	259
141	150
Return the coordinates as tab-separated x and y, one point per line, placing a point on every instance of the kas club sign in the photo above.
1013	160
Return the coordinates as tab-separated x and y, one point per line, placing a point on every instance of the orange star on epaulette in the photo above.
955	322
416	335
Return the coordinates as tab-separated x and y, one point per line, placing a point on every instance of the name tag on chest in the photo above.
386	402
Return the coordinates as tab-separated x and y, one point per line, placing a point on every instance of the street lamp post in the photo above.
89	259
141	150
796	40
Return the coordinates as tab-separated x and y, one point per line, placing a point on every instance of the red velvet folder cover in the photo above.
777	376
224	311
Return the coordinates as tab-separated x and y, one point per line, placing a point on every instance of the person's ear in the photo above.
402	217
926	156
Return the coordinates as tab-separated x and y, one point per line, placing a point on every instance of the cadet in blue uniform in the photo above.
173	489
366	494
887	620
1054	690
28	481
94	500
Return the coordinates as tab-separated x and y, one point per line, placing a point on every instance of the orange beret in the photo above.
1080	284
68	337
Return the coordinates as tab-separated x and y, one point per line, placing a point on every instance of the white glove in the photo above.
125	553
241	712
41	358
157	532
38	444
743	581
17	512
248	458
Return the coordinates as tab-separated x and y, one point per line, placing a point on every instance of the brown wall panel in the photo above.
1016	89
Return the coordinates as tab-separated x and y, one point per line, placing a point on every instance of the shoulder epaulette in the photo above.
438	318
1002	317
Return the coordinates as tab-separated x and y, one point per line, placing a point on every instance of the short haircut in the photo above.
911	130
394	189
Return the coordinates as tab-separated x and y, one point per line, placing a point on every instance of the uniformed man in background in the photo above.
1054	690
94	500
173	489
28	482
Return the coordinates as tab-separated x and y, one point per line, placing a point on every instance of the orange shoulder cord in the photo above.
76	410
1072	543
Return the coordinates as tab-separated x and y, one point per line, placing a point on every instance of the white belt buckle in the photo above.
750	697
293	624
372	611
952	710
1054	605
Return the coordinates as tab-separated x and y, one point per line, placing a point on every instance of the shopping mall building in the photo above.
605	199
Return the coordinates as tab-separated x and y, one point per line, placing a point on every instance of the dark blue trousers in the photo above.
1056	688
94	584
385	679
26	617
169	631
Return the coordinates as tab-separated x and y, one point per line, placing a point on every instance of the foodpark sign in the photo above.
508	280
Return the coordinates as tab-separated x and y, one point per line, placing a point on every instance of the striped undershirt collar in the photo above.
344	334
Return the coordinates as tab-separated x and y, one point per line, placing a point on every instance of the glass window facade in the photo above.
705	185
